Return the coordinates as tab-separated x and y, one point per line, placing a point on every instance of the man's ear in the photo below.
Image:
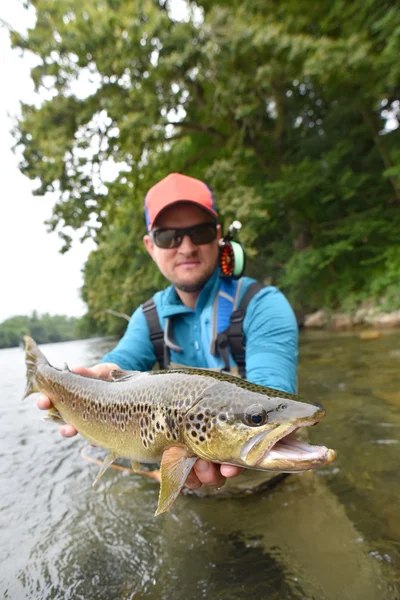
219	232
148	244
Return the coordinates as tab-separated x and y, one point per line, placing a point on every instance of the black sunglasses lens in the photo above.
203	234
167	238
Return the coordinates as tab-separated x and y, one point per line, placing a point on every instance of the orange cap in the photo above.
177	188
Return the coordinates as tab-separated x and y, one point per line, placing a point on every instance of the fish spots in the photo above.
197	423
159	417
171	424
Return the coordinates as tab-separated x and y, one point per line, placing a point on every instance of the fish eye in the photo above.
256	416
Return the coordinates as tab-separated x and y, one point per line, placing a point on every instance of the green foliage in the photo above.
43	328
280	107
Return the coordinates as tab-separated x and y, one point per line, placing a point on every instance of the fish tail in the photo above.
33	358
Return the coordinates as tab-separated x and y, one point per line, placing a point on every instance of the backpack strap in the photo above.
233	338
156	333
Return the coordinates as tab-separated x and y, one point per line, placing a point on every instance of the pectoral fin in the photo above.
135	466
176	465
53	415
109	459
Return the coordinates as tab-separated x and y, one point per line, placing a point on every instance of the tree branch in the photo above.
117	314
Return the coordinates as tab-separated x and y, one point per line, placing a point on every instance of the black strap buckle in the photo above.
237	316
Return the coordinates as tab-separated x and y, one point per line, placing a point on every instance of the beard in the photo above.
194	286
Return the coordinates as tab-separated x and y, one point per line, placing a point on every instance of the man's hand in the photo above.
203	472
212	474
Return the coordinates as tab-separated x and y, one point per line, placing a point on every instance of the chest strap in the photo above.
156	333
233	337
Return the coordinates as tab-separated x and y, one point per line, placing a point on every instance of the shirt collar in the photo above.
173	305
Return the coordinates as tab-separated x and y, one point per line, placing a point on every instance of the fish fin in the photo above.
109	459
53	415
176	465
33	357
135	466
30	388
119	375
66	368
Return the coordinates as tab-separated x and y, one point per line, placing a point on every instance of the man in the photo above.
183	240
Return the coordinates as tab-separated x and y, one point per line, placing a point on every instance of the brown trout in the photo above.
177	416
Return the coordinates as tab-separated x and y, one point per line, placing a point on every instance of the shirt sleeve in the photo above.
134	350
271	334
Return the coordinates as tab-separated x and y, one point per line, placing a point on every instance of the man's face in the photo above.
189	266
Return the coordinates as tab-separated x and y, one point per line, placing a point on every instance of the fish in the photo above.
174	417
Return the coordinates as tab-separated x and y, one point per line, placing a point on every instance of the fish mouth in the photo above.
282	451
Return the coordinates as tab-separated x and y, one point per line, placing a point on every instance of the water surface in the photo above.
330	535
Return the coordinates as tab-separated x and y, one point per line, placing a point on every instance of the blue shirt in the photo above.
269	327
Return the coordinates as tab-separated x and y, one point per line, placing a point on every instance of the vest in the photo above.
227	327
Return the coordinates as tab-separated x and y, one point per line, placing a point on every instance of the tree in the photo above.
280	107
43	328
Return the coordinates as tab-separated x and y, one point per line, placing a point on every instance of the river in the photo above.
329	535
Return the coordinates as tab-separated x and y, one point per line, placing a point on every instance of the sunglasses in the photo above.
172	237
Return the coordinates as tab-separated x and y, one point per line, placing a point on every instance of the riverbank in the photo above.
362	318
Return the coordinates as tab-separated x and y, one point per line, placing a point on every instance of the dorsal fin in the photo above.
119	375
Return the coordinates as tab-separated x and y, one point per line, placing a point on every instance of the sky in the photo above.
33	273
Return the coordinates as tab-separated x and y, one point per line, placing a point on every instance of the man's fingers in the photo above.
229	471
68	431
192	481
43	402
83	371
209	473
102	370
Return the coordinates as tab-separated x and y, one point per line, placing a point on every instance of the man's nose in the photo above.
187	245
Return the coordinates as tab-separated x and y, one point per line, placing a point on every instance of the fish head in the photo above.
243	426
